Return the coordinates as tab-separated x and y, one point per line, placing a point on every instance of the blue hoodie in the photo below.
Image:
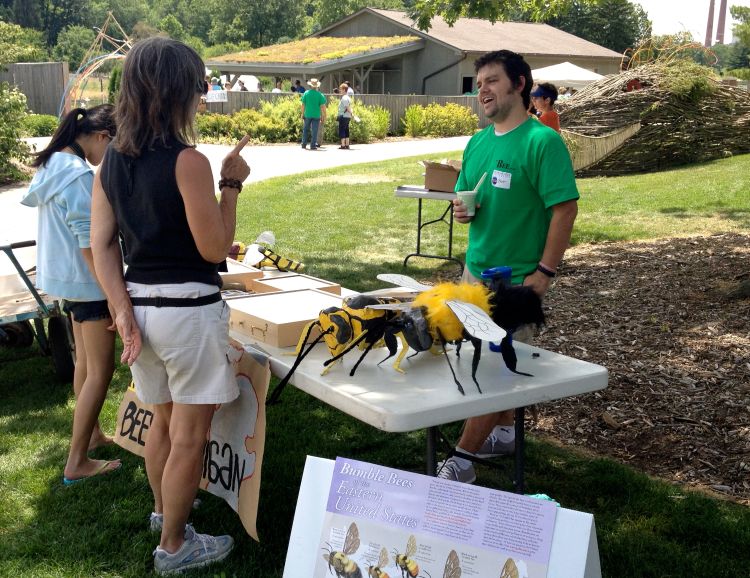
62	192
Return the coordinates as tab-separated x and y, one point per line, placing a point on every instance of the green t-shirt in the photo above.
528	171
313	100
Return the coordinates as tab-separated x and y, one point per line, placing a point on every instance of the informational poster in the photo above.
385	521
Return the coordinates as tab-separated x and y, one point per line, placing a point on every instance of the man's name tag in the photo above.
501	179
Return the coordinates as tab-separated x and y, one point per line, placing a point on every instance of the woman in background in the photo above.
543	98
158	192
61	190
345	115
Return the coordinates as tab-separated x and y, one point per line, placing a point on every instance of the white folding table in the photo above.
425	395
420	193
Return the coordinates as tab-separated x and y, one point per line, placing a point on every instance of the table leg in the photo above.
431	457
421	225
520	450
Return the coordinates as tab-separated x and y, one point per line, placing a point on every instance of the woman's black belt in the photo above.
176	301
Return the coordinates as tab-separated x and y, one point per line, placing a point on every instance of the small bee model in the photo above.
452	566
377	571
409	568
342	565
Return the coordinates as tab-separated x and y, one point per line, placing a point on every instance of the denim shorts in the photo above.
87	310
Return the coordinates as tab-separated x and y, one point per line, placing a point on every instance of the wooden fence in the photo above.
43	83
396	104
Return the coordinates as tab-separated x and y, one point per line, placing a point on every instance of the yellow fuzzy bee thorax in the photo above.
440	316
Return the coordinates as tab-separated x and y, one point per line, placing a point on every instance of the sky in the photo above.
670	16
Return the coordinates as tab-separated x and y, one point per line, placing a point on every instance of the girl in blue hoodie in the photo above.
61	190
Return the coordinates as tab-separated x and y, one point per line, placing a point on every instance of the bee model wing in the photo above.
266	237
391	306
253	256
452	566
476	322
403	281
411	546
351	543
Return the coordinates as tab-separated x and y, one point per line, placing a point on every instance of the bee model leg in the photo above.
404	351
361	357
453	373
477	343
346	350
390	342
509	355
274	397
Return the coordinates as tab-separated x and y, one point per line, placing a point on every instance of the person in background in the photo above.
227	86
157	191
344	116
313	113
298	87
277	87
243	88
543	98
524	217
215	84
61	190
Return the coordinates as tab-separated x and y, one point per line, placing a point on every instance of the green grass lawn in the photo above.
347	226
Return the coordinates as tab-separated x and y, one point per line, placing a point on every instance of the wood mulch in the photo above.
667	320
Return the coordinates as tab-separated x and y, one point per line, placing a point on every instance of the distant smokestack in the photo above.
722	20
710	26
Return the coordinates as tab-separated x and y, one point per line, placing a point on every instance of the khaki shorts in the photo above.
525	333
184	354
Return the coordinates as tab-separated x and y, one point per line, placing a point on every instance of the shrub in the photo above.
113	88
413	121
214	126
39	125
259	126
12	113
449	120
287	112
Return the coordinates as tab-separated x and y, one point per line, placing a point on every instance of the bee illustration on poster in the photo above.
339	562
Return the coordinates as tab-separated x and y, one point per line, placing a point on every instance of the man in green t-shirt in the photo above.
526	206
313	112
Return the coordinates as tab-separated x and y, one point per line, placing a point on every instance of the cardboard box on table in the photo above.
279	318
294	283
441	177
240	273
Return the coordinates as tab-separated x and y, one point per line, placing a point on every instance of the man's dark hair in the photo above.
550	91
515	67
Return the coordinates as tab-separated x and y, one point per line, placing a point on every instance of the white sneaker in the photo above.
493	448
450	470
196	551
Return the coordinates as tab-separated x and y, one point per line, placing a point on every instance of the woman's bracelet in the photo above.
231	183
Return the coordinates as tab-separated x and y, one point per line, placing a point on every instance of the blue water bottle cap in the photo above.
504	272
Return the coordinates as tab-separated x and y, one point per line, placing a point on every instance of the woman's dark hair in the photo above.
77	122
160	80
515	67
550	91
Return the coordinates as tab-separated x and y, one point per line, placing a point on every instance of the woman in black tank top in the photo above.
156	192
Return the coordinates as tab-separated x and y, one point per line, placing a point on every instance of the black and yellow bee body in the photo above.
339	563
377	571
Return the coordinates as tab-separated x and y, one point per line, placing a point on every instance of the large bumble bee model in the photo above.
438	315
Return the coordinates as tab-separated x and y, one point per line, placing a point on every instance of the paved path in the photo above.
18	223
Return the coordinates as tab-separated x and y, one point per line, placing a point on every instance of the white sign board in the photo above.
216	96
573	553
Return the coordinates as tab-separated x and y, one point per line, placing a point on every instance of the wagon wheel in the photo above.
60	335
17	334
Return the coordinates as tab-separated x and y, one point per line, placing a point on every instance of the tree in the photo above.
127	12
615	24
424	11
72	44
741	31
259	23
18	44
59	14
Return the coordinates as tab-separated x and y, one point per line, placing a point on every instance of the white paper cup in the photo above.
469	199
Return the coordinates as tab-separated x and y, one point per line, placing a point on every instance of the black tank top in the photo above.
158	245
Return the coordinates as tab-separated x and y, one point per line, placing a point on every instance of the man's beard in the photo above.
503	109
